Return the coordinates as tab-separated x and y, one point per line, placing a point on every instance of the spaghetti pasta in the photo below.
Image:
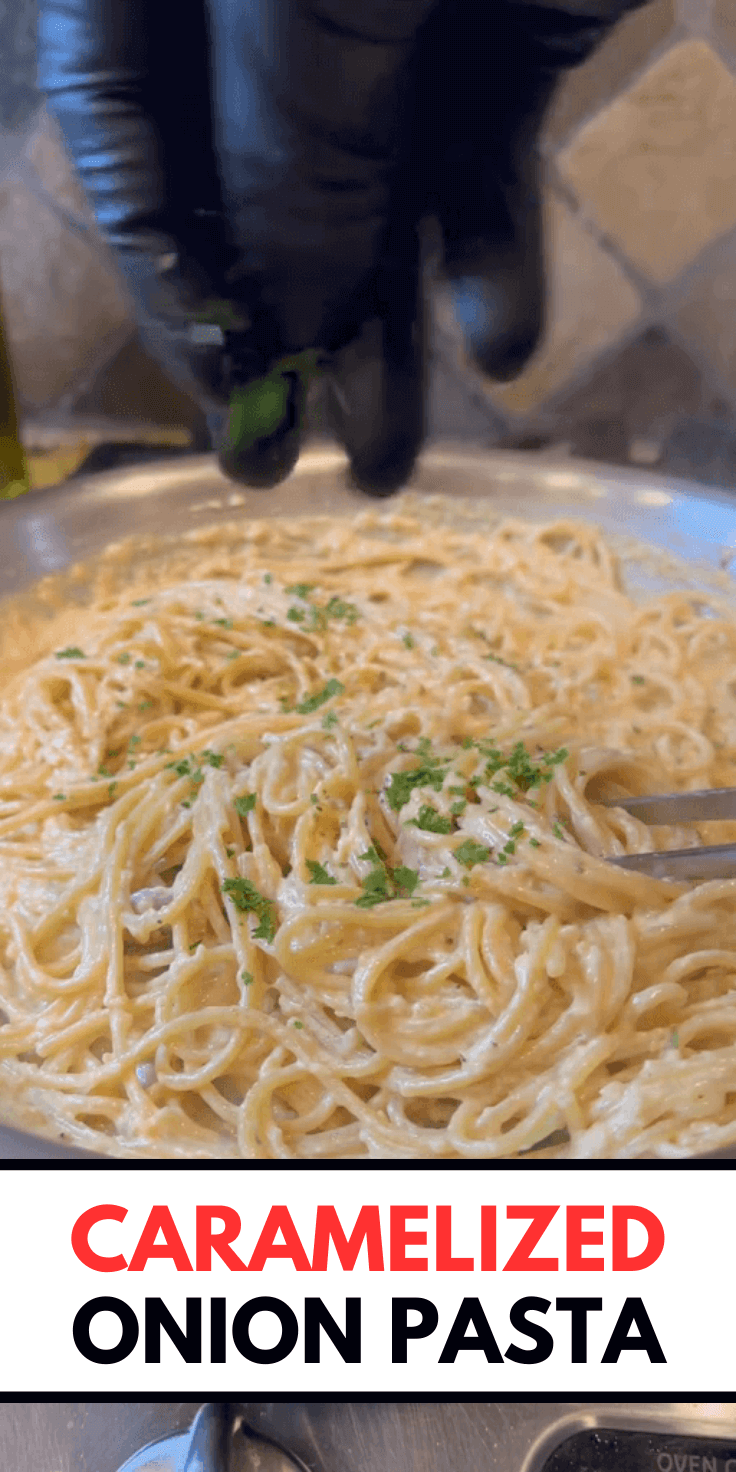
302	855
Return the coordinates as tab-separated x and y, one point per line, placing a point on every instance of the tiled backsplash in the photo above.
639	361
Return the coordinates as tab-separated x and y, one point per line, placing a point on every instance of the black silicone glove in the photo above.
338	125
496	66
280	204
322	199
486	70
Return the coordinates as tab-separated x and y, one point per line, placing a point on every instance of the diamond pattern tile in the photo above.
703	450
61	302
18	94
46	154
634	400
132	387
656	169
723	21
707	315
591	304
588	88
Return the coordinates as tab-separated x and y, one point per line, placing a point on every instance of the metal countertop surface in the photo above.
340	1437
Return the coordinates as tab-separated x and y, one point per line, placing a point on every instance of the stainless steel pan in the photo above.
50	531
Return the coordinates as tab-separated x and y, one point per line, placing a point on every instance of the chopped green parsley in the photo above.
315	616
71	653
247	899
245	804
430	820
470	853
318	874
182	768
519	767
496	659
313	702
430	772
383	883
337	608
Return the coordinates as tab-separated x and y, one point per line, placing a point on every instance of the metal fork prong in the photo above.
715	862
679	807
